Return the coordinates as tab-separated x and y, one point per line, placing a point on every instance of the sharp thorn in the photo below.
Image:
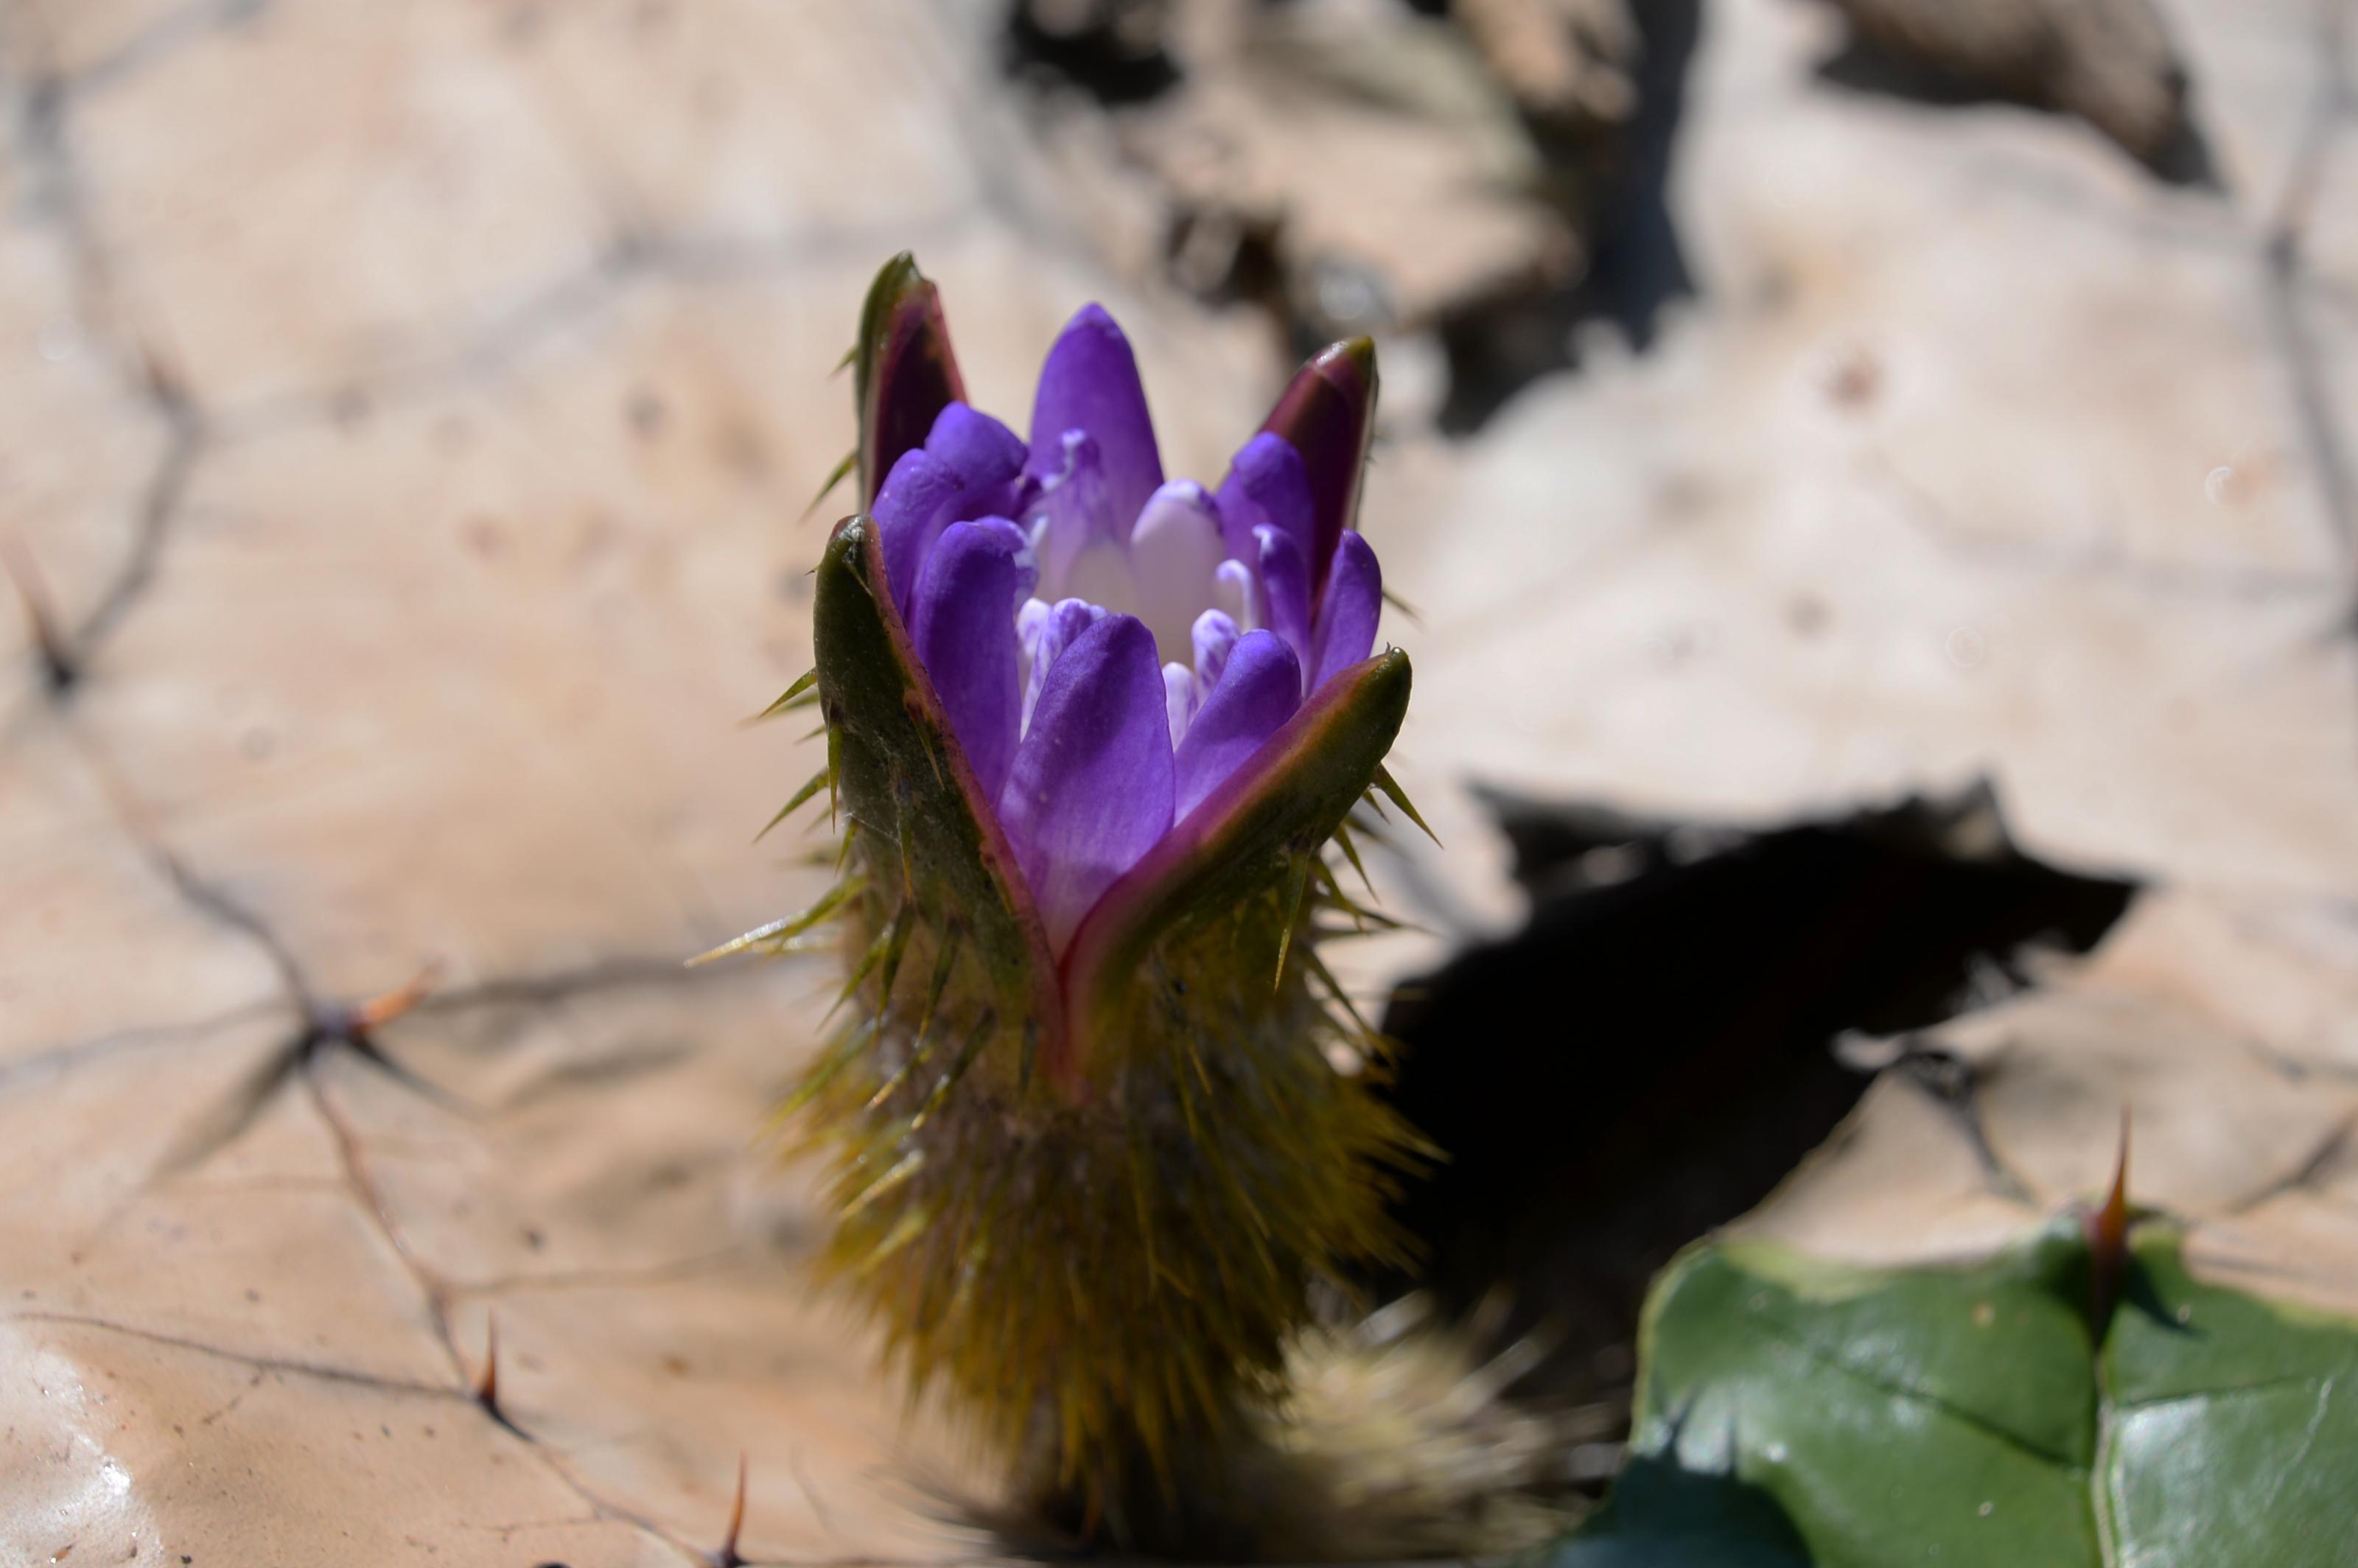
1390	786
60	668
487	1386
833	753
802	797
1292	918
726	1557
2108	1229
795	696
777	934
1351	853
362	1017
835	476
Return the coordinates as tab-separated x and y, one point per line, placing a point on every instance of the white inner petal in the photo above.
1101	575
1174	554
1173	565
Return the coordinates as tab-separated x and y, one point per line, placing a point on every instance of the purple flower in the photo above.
1110	648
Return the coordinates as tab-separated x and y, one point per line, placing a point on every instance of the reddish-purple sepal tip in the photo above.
905	371
1328	413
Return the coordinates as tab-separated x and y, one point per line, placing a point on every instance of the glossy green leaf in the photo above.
1798	1413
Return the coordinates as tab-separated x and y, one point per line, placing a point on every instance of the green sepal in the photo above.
1252	833
903	370
904	782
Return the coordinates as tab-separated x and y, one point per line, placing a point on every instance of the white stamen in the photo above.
1178	698
1232	590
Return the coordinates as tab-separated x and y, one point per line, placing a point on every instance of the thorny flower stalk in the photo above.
1099	1122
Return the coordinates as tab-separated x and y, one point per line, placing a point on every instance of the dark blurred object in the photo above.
2108	62
1112	48
1635	263
1651	1054
1491	171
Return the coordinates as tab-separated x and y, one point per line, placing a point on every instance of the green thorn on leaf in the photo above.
1292	918
801	798
778	933
835	476
1390	786
802	694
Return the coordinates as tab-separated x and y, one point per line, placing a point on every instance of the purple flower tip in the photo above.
1109	647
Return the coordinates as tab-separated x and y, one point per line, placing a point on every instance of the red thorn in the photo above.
392	1004
2107	1230
48	637
726	1557
487	1387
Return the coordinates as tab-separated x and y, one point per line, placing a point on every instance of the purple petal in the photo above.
1090	381
1285	590
1215	634
1090	791
963	627
1046	634
975	446
966	469
1072	511
1347	615
1260	692
1267	487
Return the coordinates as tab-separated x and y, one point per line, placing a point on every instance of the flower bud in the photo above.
1090	1146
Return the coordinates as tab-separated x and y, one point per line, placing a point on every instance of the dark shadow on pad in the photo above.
1650	1054
1636	265
2144	108
1662	1516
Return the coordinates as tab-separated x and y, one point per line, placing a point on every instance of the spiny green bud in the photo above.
1101	1120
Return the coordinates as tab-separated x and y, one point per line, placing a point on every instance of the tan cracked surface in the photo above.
407	409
